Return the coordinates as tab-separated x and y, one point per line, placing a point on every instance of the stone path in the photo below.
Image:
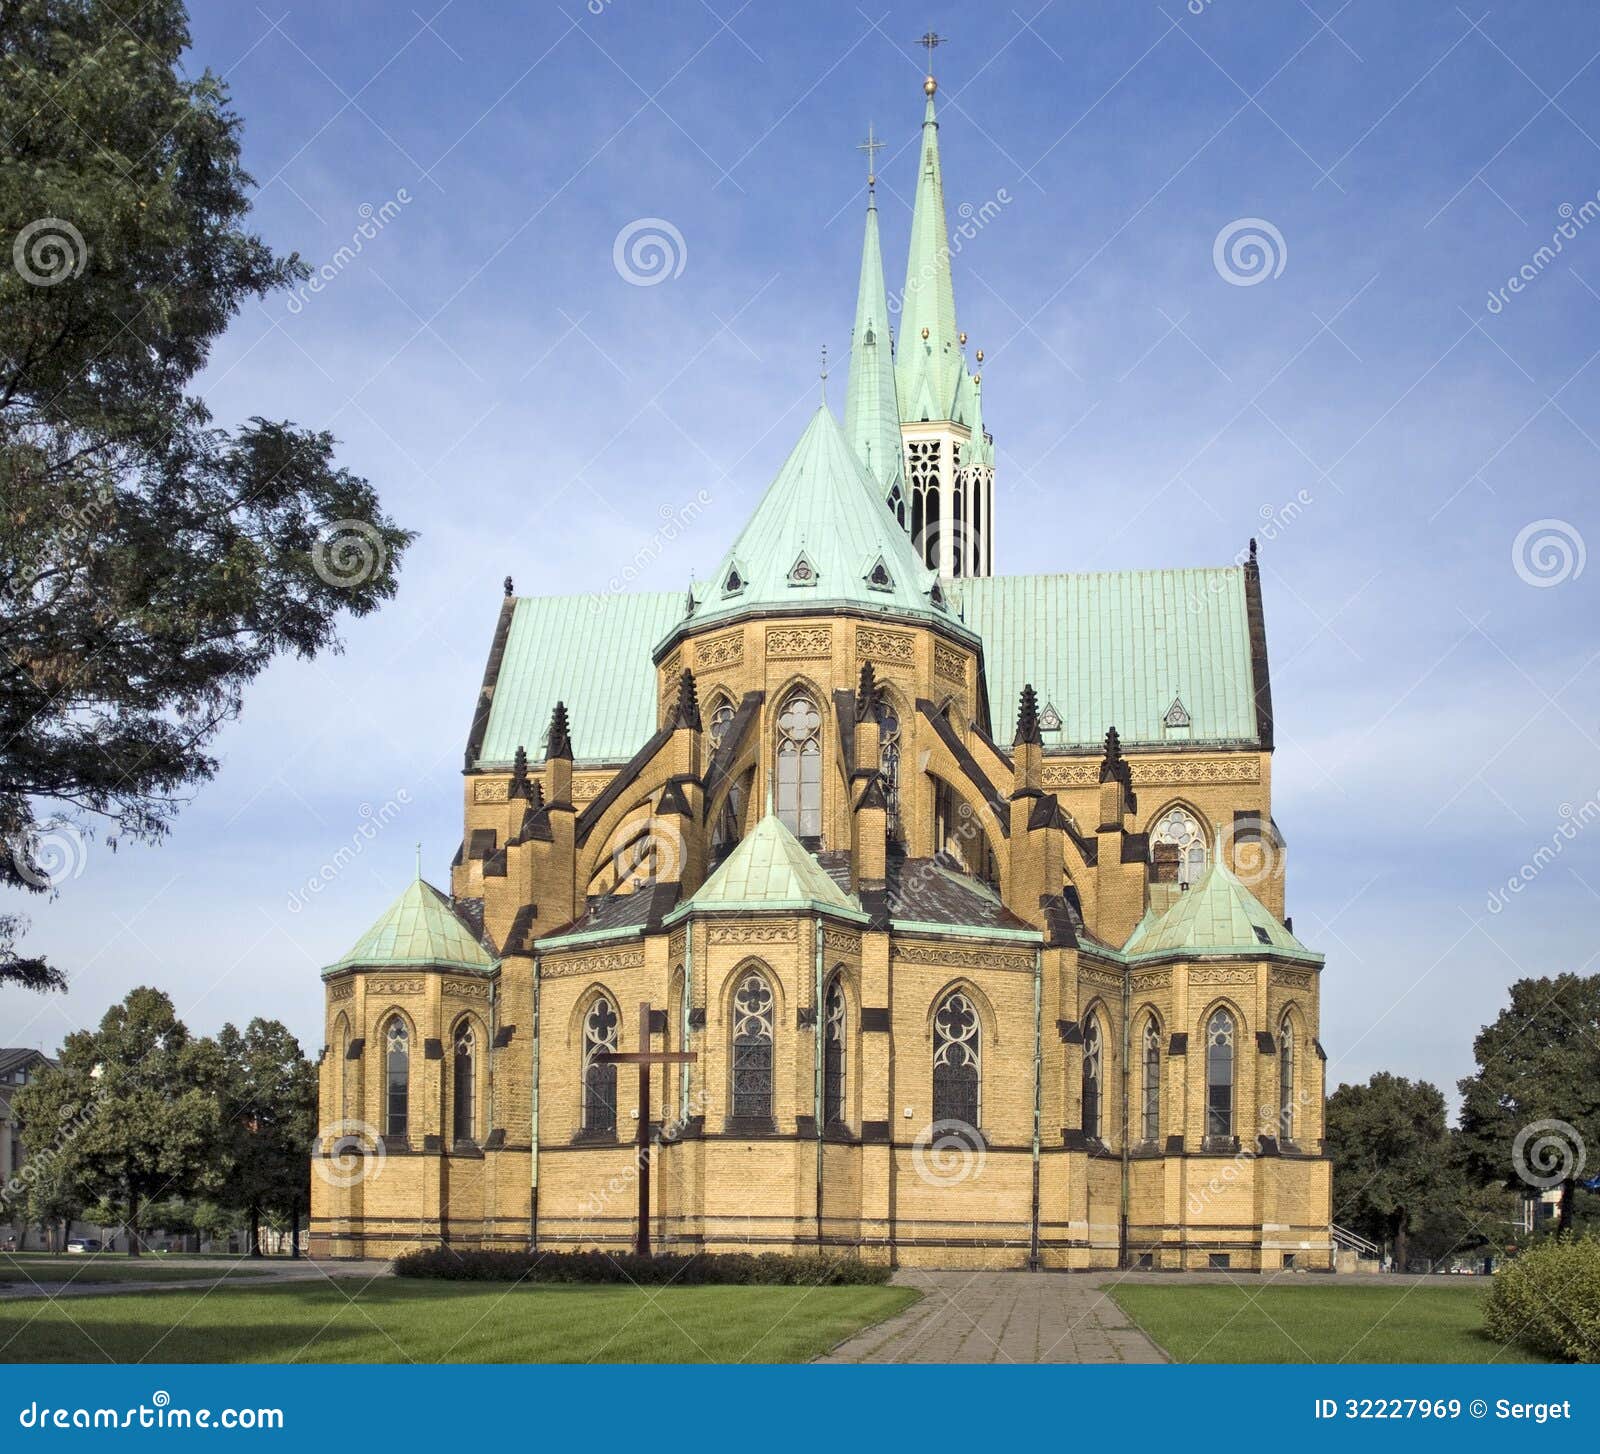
1002	1317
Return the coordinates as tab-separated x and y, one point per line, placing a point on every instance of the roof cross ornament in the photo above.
930	42
824	378
872	146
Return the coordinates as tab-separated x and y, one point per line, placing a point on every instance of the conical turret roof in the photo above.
1219	915
419	928
769	869
821	538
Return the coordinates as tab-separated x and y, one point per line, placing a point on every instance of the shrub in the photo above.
772	1269
1548	1300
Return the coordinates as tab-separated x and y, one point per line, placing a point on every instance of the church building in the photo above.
957	896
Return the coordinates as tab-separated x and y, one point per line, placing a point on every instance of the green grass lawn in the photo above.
25	1270
1227	1323
396	1320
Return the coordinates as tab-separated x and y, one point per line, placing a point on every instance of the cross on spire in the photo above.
930	42
824	378
872	146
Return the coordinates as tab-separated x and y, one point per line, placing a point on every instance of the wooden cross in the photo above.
646	1059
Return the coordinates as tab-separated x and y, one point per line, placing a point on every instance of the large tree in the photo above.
1395	1171
1531	1115
269	1109
151	562
133	1109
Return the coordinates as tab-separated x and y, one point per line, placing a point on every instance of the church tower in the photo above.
949	459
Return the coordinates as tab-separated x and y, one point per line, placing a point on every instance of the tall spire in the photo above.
871	413
929	361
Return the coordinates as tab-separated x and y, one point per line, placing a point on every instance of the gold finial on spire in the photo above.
930	41
824	380
871	146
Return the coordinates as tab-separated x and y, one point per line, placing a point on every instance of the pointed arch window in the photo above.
833	1028
889	760
752	1049
957	1061
600	1076
397	1074
897	506
1219	1077
800	767
1179	828
1093	1066
465	1082
725	830
1286	1079
1150	1081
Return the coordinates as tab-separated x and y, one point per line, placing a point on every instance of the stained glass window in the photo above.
752	1049
833	1015
465	1082
889	760
1179	827
1286	1079
800	767
957	1048
1219	1077
1151	1108
397	1067
1092	1052
599	1076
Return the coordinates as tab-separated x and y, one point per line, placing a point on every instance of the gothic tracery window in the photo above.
957	1051
752	1049
397	1075
1093	1053
1150	1108
599	1076
1219	1076
833	1028
1179	828
726	829
889	760
1286	1078
800	767
465	1082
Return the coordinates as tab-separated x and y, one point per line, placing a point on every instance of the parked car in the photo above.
84	1244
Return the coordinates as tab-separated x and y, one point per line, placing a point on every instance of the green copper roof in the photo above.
871	415
418	928
1219	915
927	370
591	652
817	541
770	869
1114	649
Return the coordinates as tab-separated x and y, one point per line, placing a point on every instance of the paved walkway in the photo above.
1002	1317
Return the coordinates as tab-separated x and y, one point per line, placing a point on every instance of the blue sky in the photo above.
1370	404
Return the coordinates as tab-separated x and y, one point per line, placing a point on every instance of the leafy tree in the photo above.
269	1116
1394	1169
151	563
1531	1114
141	1098
212	1220
54	1197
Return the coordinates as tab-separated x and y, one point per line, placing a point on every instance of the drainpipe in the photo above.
1127	1154
683	1019
533	1123
816	1077
1038	1099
